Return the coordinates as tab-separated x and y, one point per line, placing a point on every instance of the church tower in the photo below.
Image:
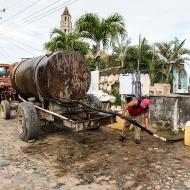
66	24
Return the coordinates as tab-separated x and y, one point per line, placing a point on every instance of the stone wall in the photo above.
160	89
170	111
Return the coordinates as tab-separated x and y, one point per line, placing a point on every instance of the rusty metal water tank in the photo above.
61	75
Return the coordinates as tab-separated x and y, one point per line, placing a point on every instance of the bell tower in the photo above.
66	24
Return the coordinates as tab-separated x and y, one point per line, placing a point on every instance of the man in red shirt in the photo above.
137	109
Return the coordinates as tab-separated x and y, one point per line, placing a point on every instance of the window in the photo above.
65	18
65	30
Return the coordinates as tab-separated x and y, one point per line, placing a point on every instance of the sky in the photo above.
23	32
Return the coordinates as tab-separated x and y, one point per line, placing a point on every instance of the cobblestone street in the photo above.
60	159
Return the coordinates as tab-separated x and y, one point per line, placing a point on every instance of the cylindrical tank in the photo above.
61	75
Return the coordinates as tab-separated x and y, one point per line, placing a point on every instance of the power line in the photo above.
50	5
5	55
22	20
23	10
34	20
19	42
48	12
21	28
25	19
44	15
10	42
13	5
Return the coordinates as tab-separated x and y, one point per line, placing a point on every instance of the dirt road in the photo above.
60	159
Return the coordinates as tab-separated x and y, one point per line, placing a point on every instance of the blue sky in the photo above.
157	20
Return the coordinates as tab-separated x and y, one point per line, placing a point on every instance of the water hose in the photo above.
134	122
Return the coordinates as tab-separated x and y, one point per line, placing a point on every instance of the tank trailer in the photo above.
53	88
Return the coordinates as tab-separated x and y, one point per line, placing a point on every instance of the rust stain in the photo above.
61	75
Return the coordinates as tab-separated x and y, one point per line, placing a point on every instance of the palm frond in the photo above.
115	24
88	25
57	31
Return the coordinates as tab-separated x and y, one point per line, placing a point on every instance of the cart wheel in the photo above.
27	121
5	109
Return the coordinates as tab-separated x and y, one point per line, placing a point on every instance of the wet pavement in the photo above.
60	159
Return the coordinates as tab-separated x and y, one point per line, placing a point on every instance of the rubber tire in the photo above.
7	109
30	121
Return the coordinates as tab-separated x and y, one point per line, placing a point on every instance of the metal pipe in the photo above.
47	111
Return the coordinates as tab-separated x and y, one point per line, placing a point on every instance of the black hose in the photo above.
174	140
134	122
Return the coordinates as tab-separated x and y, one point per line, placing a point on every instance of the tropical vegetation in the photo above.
100	30
104	43
61	41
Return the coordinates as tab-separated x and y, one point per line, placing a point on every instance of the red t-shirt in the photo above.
137	109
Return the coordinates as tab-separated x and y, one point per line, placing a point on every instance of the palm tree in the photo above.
120	45
169	53
61	41
139	55
131	57
154	65
99	30
144	52
179	47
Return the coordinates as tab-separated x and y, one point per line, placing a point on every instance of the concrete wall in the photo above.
170	111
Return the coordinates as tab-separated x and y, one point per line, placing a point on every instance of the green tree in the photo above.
60	41
131	57
91	62
138	56
170	53
100	30
145	52
143	57
154	67
119	46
